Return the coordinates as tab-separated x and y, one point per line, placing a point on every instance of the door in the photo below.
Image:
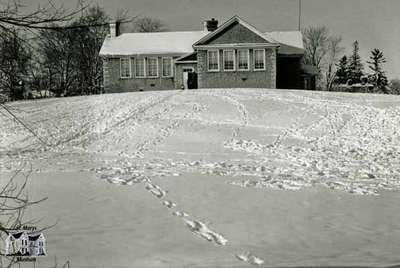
192	80
187	80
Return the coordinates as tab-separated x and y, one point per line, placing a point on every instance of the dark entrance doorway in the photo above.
192	80
189	78
289	72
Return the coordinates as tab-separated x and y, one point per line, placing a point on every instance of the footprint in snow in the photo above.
243	257
139	179
180	214
155	190
169	204
249	258
255	260
202	230
134	180
158	193
115	180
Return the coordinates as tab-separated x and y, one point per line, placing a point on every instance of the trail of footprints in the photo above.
198	227
195	226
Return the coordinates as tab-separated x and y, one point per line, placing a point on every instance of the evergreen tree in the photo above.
356	67
342	72
378	76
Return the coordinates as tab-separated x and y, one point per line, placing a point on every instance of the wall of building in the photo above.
222	79
236	33
238	79
114	83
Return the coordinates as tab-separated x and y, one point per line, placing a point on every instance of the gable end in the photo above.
235	34
235	31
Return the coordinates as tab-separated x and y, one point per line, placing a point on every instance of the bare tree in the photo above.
87	46
316	45
332	58
48	16
322	50
55	48
16	48
147	24
12	14
14	61
61	68
70	56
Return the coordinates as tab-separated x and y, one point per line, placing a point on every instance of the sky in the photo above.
374	23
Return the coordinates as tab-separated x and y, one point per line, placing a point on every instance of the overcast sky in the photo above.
374	23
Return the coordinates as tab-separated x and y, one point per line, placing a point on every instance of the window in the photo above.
229	60
213	60
166	67
259	59
243	60
139	68
152	67
125	67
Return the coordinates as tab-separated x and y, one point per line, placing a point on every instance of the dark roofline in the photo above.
186	61
191	57
283	55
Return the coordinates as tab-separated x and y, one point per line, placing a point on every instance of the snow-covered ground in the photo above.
218	177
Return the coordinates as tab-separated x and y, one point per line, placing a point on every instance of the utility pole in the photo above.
299	15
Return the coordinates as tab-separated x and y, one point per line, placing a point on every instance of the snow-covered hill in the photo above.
265	138
212	177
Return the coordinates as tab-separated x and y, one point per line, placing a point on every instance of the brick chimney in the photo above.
114	29
210	25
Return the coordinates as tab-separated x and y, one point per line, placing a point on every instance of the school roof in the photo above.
291	41
181	43
161	43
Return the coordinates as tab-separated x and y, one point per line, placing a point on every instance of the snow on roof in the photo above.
180	43
160	43
291	41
